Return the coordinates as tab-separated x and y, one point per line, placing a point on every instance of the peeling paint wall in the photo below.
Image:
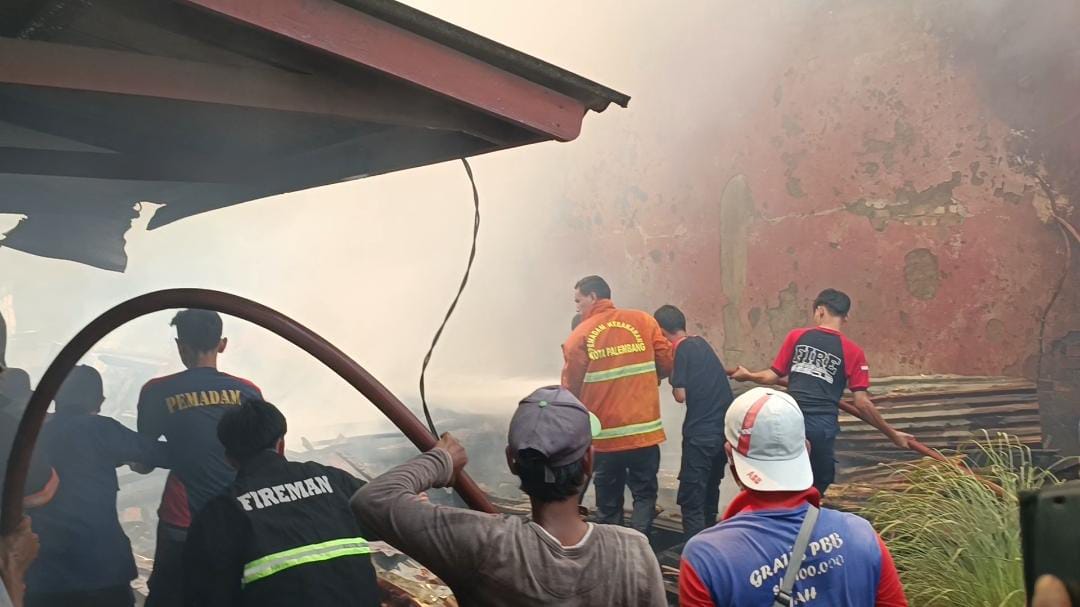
863	157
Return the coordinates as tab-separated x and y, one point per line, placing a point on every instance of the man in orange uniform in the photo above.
614	362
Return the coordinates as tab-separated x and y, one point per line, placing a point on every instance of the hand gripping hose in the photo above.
225	303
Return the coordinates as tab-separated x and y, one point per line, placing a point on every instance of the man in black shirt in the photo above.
699	380
282	533
185	408
85	557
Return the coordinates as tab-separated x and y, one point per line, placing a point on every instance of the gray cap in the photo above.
553	422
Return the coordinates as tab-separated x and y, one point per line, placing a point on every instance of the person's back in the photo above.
699	380
85	556
742	561
282	534
612	368
613	363
185	408
747	553
611	565
488	560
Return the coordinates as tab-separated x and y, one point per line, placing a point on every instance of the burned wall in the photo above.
866	155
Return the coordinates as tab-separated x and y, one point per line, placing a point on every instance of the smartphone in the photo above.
1050	535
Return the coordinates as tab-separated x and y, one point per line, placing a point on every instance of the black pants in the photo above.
821	432
166	581
613	472
113	596
702	470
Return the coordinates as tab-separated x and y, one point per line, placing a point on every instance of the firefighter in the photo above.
614	361
283	533
185	408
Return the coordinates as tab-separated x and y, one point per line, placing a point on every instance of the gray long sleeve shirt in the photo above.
491	559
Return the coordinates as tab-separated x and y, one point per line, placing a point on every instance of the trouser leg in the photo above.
696	478
609	480
166	583
642	468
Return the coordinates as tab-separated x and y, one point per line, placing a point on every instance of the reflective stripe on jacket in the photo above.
614	361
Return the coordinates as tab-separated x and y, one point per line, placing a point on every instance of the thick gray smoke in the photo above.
372	264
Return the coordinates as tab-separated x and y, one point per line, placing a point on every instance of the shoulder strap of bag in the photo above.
798	553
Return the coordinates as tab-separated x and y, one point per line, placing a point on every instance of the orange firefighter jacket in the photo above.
613	363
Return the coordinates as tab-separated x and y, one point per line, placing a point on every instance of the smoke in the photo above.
372	264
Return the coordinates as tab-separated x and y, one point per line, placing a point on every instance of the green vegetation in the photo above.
956	542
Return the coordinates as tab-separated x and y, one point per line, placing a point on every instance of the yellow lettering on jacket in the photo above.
205	398
595	353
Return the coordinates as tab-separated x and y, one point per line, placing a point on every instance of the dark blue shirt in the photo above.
82	544
699	371
185	408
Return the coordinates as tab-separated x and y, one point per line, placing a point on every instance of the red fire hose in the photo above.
265	317
920	448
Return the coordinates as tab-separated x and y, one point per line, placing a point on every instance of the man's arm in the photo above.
575	363
679	372
150	414
150	421
870	414
768	377
128	447
656	594
692	591
780	368
890	592
213	559
662	352
448	541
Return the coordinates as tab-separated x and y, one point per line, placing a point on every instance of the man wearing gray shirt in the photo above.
554	559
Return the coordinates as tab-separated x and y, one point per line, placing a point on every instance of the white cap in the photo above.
768	441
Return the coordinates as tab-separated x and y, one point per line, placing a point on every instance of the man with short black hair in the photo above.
85	556
488	560
185	408
613	362
754	557
282	534
819	362
699	380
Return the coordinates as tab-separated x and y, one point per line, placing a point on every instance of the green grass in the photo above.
955	541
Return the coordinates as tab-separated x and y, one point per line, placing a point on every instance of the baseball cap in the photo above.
553	422
768	438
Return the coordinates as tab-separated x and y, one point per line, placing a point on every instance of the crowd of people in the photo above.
242	525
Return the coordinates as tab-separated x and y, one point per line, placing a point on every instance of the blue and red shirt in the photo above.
820	363
185	408
741	561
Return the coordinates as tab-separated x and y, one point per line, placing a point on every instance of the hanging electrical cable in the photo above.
453	304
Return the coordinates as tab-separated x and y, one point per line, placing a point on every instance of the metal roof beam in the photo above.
44	64
347	33
98	165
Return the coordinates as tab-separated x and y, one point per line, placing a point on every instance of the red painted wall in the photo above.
867	157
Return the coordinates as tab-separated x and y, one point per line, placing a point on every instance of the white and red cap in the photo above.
768	441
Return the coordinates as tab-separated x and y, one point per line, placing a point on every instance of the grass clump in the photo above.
956	542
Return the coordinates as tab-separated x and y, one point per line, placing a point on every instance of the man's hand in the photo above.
1050	592
457	453
741	373
900	439
17	553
